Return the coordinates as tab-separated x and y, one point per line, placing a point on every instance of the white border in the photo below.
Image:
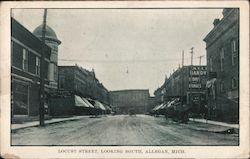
241	151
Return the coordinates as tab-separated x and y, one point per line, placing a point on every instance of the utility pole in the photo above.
182	59
182	79
200	80
191	68
42	71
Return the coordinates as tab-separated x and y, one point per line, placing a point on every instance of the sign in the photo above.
197	74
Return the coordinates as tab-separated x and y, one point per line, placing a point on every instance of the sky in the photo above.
127	48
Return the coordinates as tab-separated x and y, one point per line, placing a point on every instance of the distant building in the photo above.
82	82
222	45
25	70
125	100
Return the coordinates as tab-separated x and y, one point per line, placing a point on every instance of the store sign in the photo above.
196	74
195	85
198	71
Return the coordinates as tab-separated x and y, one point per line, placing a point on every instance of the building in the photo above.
82	82
52	41
187	83
126	100
222	45
25	70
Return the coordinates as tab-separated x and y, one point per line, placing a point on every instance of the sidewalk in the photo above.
212	126
36	123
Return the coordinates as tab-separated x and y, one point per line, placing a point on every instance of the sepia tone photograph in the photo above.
124	79
125	76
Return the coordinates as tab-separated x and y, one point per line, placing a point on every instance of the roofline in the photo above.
127	90
217	26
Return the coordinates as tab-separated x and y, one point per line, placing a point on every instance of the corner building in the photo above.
222	45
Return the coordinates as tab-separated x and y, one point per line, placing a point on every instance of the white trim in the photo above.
21	77
25	71
28	48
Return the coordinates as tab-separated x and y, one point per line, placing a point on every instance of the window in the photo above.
222	59
37	66
222	87
234	83
17	57
25	60
234	52
61	81
210	64
32	63
55	72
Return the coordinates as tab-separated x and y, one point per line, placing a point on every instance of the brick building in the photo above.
222	45
126	100
25	70
82	82
186	83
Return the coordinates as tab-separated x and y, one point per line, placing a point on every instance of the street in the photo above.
119	130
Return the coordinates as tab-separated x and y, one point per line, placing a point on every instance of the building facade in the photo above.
222	45
52	41
82	82
25	70
187	83
126	100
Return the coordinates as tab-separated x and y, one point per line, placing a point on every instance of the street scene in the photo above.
125	77
123	130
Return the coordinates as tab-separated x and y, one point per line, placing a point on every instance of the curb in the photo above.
46	123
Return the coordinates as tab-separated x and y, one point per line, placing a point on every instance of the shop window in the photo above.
20	99
234	83
222	59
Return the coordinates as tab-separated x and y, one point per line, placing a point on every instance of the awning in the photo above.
88	103
158	107
79	102
107	107
98	104
210	83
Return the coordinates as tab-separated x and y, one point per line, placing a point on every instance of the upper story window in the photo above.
222	59
61	81
234	51
210	64
222	87
25	60
38	66
234	83
17	55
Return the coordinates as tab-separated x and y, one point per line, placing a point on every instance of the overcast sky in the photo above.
127	48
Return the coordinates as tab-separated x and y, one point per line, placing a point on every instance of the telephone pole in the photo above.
182	59
201	56
190	72
42	71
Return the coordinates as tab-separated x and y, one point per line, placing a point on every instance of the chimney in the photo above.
216	22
